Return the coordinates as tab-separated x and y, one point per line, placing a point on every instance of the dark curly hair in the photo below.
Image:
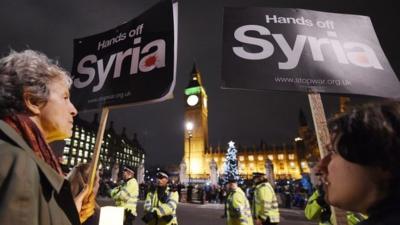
30	72
370	136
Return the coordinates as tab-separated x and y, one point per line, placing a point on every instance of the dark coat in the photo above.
385	213
31	192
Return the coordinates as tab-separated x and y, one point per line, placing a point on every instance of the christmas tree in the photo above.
231	164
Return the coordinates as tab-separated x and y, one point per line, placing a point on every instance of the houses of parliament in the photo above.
289	160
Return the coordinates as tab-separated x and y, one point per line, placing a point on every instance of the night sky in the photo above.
245	117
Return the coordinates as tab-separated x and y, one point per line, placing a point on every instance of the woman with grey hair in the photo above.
362	171
35	110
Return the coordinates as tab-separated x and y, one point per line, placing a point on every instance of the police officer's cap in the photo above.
232	179
162	174
128	169
257	175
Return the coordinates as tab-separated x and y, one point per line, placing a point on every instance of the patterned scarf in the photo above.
34	137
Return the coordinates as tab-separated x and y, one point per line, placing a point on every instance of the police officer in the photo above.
160	204
318	209
126	195
265	205
237	206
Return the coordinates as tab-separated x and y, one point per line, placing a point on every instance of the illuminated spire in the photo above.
195	80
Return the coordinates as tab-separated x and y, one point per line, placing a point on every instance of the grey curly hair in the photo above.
30	72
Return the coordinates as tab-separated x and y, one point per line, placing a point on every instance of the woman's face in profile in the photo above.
56	116
348	185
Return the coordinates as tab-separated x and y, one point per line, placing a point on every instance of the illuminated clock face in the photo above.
192	100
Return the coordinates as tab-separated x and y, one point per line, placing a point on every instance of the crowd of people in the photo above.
290	193
361	173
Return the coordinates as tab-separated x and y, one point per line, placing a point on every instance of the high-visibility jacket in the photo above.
265	204
126	195
166	210
354	218
238	208
313	210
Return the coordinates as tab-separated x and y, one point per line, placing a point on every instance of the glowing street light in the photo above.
298	139
189	128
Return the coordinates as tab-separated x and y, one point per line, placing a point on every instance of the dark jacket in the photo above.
32	193
385	213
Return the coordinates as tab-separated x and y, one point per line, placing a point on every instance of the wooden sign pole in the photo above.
97	147
321	129
320	124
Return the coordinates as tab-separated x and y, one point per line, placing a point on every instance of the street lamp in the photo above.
297	139
189	128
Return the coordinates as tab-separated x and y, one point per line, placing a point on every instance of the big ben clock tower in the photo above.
196	137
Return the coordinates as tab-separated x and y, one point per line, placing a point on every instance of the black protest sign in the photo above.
132	63
304	50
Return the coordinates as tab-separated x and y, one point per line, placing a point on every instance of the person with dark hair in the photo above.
126	195
35	110
361	173
160	204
